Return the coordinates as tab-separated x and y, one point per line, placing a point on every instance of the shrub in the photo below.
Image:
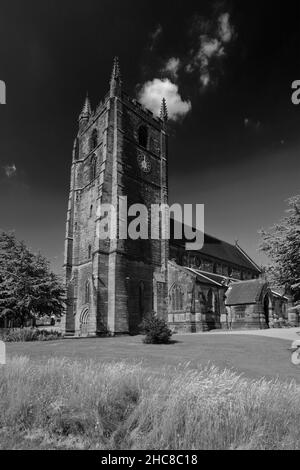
49	335
29	334
156	330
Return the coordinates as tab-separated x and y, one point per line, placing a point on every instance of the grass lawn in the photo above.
252	356
117	393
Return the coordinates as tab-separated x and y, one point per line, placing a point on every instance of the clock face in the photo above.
144	163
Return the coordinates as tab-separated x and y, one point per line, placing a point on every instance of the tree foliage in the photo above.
282	246
156	330
28	288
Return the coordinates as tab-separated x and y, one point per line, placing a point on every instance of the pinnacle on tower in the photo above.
116	74
164	111
116	80
86	110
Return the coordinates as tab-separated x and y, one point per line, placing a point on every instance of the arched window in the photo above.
225	270
87	292
268	311
90	252
176	298
94	140
202	302
143	136
212	301
93	168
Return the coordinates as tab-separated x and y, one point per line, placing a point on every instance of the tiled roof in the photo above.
246	292
224	251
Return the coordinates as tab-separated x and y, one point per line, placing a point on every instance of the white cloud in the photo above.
213	38
172	67
10	170
226	30
154	91
154	36
205	78
210	47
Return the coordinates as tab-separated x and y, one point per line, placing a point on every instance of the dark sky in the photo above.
237	150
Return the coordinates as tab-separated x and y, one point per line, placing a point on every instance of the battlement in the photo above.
128	100
88	115
145	111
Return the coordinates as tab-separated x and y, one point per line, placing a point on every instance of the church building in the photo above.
121	150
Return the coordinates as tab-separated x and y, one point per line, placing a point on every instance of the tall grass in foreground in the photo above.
69	404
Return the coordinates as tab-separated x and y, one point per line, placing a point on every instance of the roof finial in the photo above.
86	110
164	111
116	80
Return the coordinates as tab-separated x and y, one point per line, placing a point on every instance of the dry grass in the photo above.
65	404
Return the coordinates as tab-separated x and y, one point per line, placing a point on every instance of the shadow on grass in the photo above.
170	343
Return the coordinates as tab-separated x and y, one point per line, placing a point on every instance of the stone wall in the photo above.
247	317
127	279
202	305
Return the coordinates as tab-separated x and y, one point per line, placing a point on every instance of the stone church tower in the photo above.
120	150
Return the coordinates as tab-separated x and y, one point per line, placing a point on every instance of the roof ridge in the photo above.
233	245
223	251
247	256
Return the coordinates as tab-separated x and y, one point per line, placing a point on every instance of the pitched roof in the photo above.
278	295
224	251
246	292
227	252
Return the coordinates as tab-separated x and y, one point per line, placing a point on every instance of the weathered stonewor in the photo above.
113	283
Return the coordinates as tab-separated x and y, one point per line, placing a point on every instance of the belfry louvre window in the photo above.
143	136
176	298
94	140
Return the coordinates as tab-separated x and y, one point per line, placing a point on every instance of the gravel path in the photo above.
280	333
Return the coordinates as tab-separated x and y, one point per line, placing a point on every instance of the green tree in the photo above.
156	330
282	246
28	288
